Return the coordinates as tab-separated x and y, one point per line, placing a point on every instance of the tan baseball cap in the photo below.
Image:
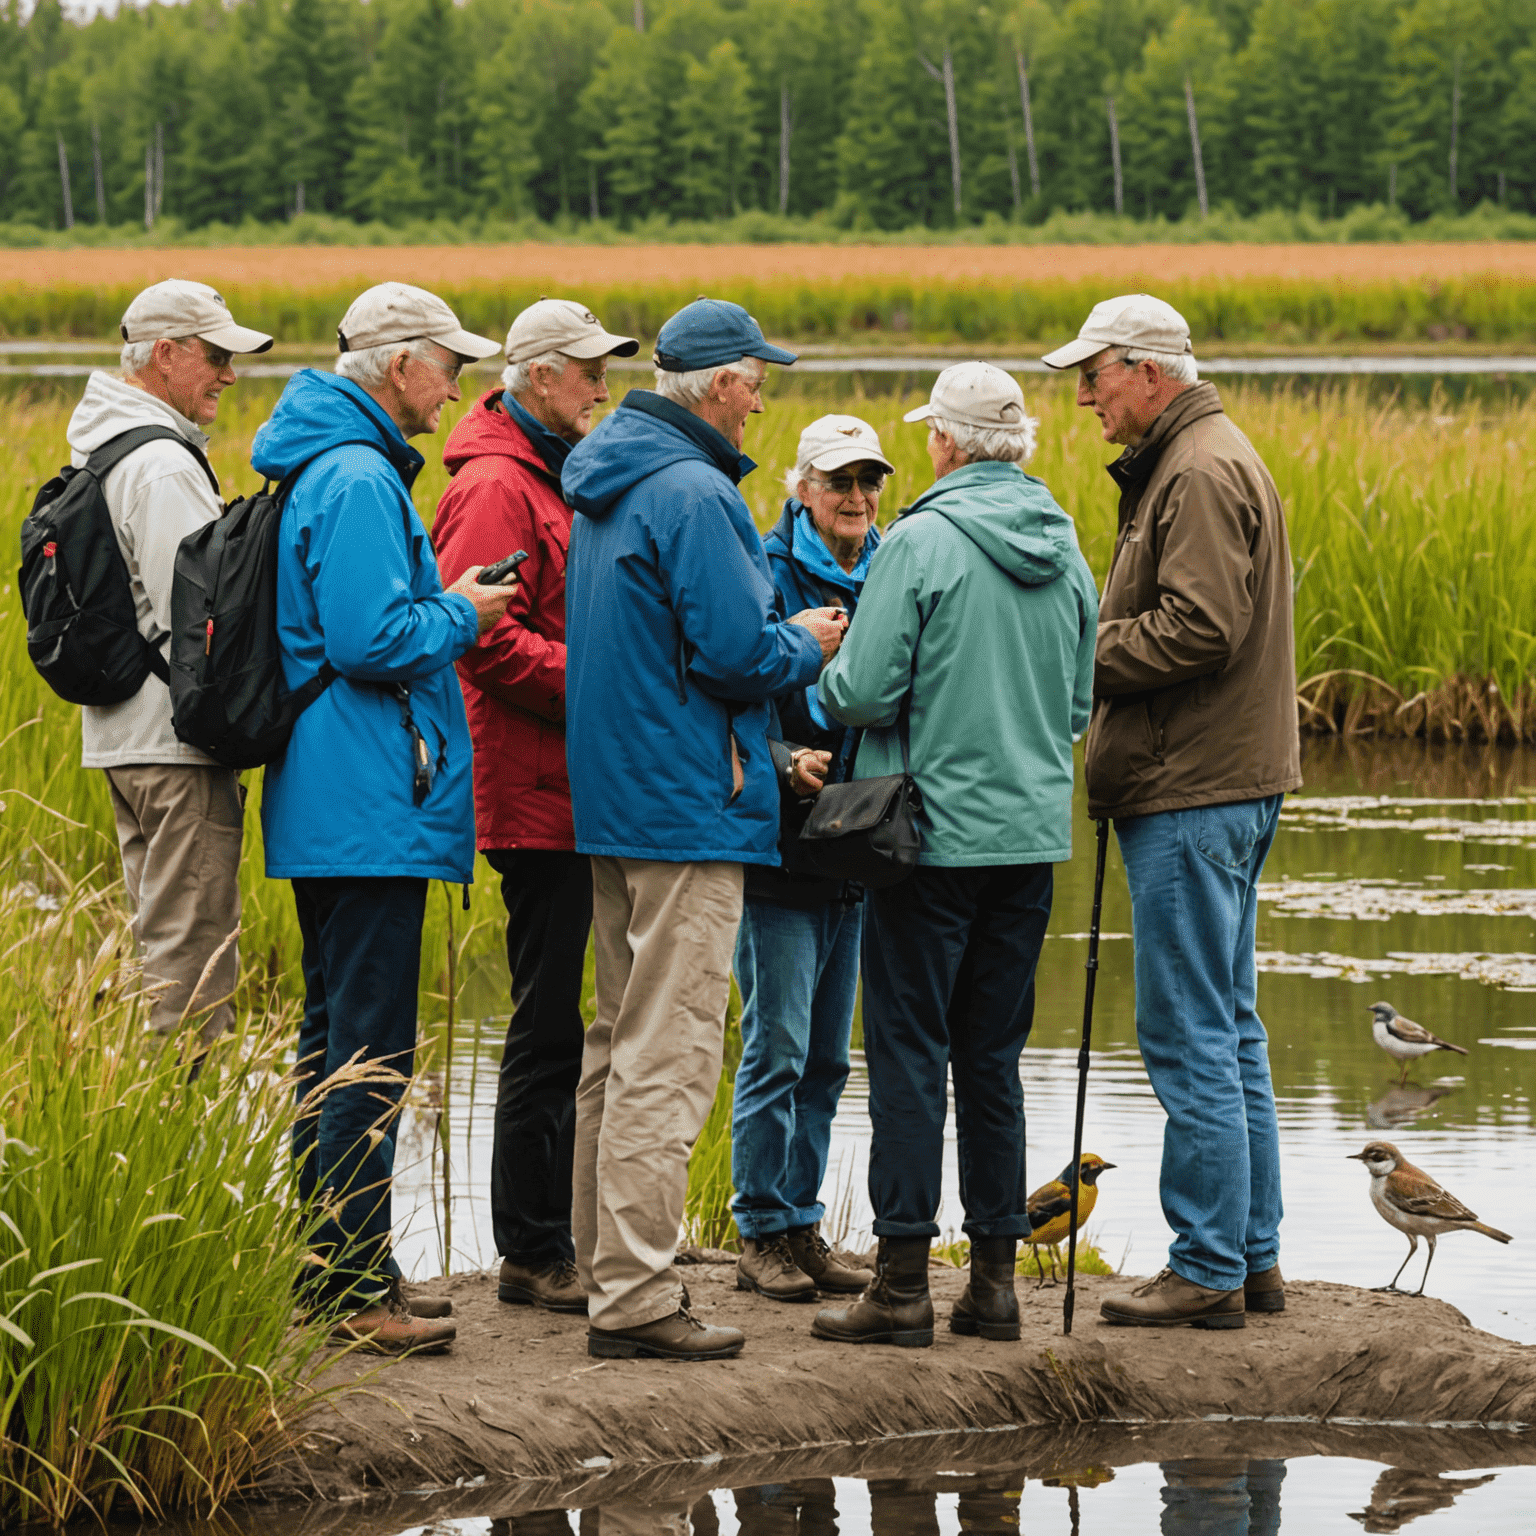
391	312
562	325
974	395
830	442
1134	320
178	308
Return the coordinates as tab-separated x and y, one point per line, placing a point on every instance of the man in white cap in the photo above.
372	798
505	457
178	812
1192	748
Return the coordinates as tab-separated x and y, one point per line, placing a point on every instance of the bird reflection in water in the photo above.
1401	1106
1226	1497
1400	1496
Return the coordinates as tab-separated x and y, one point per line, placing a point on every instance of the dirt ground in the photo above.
320	266
518	1416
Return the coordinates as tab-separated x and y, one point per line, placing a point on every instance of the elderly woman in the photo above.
797	953
975	637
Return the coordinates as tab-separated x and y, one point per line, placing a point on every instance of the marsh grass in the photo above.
956	1252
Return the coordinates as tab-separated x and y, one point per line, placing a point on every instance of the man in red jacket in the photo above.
505	458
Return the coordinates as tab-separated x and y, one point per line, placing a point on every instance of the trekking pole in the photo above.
1092	967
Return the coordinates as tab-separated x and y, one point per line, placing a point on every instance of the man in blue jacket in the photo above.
372	797
674	651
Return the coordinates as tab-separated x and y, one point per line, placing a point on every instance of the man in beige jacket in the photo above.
178	812
1191	749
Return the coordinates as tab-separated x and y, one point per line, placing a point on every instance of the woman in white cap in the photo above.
797	953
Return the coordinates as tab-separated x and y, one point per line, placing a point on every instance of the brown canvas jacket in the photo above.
1195	669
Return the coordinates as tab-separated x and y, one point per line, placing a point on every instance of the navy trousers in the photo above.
949	986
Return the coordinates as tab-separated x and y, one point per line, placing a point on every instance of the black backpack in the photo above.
228	696
82	628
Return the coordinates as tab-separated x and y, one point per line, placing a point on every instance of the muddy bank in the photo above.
520	1404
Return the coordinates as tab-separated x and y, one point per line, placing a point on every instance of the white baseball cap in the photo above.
832	442
178	308
391	312
562	325
1135	320
974	395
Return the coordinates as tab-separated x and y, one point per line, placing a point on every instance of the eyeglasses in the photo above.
1091	375
451	369
215	357
842	485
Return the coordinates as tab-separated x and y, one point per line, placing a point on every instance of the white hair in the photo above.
136	355
1178	366
690	388
369	366
519	376
1006	445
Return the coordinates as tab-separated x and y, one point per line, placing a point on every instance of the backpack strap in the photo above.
106	458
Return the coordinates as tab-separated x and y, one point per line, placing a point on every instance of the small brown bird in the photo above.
1050	1209
1408	1199
1405	1040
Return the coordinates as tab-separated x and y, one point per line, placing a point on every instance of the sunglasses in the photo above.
842	485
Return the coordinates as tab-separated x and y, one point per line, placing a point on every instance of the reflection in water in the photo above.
807	1508
1233	1497
1400	1496
1401	1106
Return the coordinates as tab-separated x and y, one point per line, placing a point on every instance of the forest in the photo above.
863	114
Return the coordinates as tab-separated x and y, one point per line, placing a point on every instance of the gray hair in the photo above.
369	366
689	388
519	376
136	355
1178	366
1006	445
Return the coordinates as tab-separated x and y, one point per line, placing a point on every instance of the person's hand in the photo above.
829	625
490	602
808	771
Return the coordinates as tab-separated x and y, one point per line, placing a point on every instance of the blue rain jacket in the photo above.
673	643
358	586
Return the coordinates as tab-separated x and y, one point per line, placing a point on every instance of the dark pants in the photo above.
949	985
549	916
362	961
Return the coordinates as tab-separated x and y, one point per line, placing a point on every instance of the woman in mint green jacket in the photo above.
975	634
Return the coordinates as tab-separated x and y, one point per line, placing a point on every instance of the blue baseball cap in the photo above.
709	333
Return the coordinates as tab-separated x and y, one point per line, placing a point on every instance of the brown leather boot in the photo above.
832	1275
420	1306
388	1329
1265	1291
768	1267
553	1286
989	1304
1168	1299
678	1337
895	1307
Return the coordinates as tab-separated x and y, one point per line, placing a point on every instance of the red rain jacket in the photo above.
503	498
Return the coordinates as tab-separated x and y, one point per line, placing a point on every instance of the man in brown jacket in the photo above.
1191	749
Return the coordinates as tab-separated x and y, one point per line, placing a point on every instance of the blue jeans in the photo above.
1194	877
798	971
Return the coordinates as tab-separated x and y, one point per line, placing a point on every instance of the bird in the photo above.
1405	1040
1050	1209
1407	1198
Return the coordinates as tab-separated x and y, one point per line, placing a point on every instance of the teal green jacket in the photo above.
981	610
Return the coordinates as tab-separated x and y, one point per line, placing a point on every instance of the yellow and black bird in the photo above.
1050	1209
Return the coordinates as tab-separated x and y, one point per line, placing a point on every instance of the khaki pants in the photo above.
179	829
663	936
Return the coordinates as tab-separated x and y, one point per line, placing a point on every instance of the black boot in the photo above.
988	1305
895	1307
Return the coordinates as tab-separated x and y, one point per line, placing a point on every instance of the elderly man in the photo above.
178	812
1191	750
505	457
371	799
675	650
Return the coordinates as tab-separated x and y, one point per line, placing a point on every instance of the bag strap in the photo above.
903	733
105	459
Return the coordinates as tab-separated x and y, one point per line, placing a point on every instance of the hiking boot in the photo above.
768	1267
895	1307
1168	1299
989	1305
552	1285
419	1306
386	1328
831	1274
678	1337
1265	1291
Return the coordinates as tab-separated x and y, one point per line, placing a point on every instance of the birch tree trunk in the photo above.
592	191
1194	145
149	185
1455	125
947	75
69	202
786	129
101	187
639	15
159	168
1029	124
1013	172
1114	155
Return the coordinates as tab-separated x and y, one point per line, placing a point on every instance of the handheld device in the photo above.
496	575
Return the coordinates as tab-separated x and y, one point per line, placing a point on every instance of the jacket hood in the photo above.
317	411
629	445
1010	516
487	429
111	406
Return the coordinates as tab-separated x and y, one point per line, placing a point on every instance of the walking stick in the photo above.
1092	968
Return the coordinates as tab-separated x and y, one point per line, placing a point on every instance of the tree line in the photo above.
867	113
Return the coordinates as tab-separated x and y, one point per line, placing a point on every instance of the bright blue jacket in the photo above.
673	644
357	585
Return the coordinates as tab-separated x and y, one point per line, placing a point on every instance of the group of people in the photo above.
626	728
